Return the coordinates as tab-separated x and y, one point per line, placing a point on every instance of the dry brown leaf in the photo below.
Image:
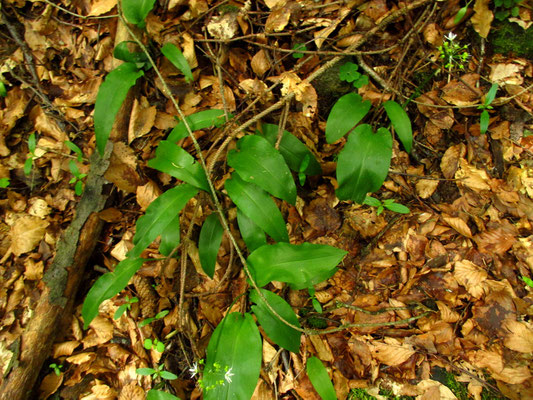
26	233
304	92
462	92
260	63
426	187
223	27
434	390
459	225
132	392
142	119
450	160
392	353
38	207
147	193
65	348
278	19
122	169
519	337
470	276
33	270
506	73
513	376
49	385
472	177
81	358
482	17
432	34
99	7
322	348
446	313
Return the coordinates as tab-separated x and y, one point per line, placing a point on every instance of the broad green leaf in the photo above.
491	95
257	161
168	375
160	395
347	112
136	11
363	163
371	201
257	205
3	90
301	265
233	359
173	160
399	208
253	235
292	150
109	99
320	379
159	215
170	237
277	331
107	286
401	123
122	52
176	57
460	14
200	120
209	243
484	122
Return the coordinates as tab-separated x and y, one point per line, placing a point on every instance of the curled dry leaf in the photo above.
471	177
223	27
470	276
519	336
99	7
26	233
426	187
392	353
462	92
278	19
260	63
482	17
458	225
304	92
142	119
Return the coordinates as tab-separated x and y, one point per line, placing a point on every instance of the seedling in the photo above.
72	146
156	373
56	368
316	304
485	117
32	146
154	344
302	168
4	182
461	13
349	73
389	204
506	8
528	281
126	306
299	47
148	321
77	180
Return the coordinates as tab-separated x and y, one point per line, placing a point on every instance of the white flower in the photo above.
228	375
193	370
450	36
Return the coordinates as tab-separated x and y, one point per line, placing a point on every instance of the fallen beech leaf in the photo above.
458	225
513	376
49	385
482	17
471	177
260	63
26	233
463	92
278	19
391	354
65	348
142	119
519	337
99	7
223	27
434	390
426	187
81	358
470	276
506	73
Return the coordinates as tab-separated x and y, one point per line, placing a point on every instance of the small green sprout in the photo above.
316	304
528	281
302	168
506	8
32	146
299	47
4	182
349	73
158	372
389	204
154	344
485	117
126	306
56	368
72	146
461	13
77	180
148	321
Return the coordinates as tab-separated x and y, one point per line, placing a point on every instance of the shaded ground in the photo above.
439	289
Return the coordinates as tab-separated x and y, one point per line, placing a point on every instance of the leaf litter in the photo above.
437	288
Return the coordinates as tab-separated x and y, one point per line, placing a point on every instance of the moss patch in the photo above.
510	39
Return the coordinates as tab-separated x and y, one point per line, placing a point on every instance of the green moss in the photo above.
507	37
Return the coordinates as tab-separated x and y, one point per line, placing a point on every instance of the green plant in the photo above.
314	301
485	117
506	8
154	344
77	180
3	91
461	13
148	321
32	146
452	54
125	307
389	204
56	368
157	373
4	182
349	72
320	379
299	47
528	281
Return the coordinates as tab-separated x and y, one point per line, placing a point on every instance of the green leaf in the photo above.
4	182
160	395
170	237
257	205
175	161
200	120
122	52
176	57
145	371
209	243
348	72
32	143
292	150
491	95
399	208
371	201
363	163
257	161
136	11
3	91
460	15
299	47
72	146
301	265
120	310
235	352
159	215
107	286
109	99
277	331
484	122
528	281
347	112
401	123
253	235
320	379
27	165
168	375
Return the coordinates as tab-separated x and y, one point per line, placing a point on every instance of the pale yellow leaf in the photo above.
482	17
519	337
470	276
26	233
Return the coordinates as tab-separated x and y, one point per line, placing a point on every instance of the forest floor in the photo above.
438	300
